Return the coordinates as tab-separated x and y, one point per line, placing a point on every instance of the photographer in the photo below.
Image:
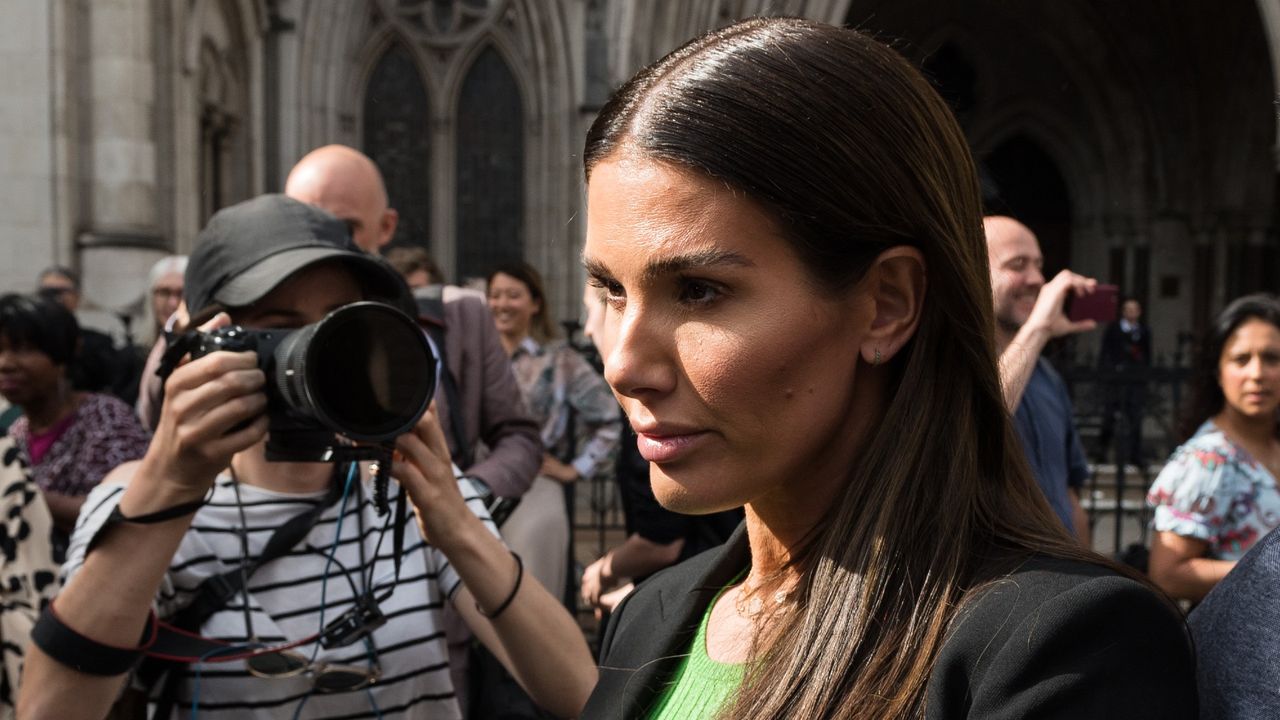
272	262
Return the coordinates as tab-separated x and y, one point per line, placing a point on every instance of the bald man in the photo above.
1029	313
347	184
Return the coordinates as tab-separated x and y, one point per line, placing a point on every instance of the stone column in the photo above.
119	234
27	207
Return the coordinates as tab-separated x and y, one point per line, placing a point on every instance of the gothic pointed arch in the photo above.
489	161
397	136
1025	183
221	60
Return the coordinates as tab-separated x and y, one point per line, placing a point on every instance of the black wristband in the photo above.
161	515
85	654
506	603
116	517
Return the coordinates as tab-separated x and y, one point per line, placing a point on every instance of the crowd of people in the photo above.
852	483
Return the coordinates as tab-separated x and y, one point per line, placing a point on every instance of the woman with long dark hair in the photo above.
785	223
1217	496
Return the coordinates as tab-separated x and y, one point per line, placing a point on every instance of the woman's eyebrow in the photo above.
695	260
684	262
595	268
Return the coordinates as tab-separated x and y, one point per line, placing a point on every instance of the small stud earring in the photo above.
876	361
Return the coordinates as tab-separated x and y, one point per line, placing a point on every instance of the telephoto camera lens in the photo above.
364	371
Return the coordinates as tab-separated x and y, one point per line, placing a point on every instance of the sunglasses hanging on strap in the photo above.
178	641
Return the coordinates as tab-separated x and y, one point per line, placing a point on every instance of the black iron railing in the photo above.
1127	419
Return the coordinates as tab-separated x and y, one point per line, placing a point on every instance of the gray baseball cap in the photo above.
248	249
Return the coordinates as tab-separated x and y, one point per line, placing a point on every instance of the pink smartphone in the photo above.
1100	305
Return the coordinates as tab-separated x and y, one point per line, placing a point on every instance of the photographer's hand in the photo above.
109	598
214	408
534	637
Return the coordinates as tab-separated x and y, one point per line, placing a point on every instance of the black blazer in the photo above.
1054	639
1121	349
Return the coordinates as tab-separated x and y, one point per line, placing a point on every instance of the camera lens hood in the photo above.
365	371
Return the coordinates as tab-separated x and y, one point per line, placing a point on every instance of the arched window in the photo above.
954	78
224	171
397	136
490	167
1026	183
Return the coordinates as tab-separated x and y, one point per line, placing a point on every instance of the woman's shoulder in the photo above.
1042	580
1209	447
1206	463
103	407
1069	633
680	590
685	576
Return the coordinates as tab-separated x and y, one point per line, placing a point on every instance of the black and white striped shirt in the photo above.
285	601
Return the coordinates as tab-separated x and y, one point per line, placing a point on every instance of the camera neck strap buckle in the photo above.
177	345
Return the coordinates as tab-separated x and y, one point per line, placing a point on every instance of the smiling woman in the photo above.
785	225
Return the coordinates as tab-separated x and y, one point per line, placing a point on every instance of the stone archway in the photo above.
217	102
339	44
1028	185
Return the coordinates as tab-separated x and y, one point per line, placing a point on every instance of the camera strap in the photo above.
216	590
177	345
178	641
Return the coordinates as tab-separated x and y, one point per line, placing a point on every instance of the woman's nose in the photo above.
1254	368
640	361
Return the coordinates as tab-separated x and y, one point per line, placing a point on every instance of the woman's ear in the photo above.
895	283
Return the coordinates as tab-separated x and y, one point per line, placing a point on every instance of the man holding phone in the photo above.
1029	313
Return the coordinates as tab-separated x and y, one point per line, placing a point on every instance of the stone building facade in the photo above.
1137	138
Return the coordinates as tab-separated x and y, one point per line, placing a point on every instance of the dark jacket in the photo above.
1054	639
1122	349
493	410
1237	643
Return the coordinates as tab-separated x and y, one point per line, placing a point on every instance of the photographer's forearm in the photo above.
534	636
108	600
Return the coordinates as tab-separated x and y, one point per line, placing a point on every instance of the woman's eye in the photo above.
611	291
698	292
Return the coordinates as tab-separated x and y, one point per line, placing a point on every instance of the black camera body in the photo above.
361	376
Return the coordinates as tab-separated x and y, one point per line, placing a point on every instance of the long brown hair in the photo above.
850	149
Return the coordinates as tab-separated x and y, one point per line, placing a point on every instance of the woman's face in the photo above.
512	305
736	372
26	373
1249	369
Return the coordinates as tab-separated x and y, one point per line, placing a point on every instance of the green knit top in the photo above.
701	686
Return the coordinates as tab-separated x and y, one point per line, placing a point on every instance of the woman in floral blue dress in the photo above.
1217	496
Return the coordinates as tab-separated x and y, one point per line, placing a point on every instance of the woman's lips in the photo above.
668	447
